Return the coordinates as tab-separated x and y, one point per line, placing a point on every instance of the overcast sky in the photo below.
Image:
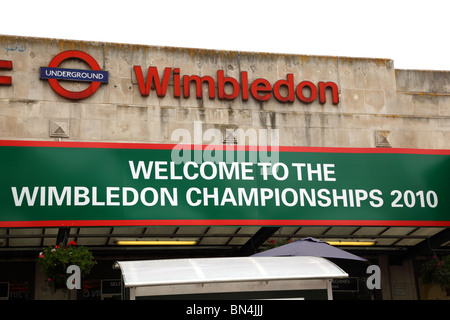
415	34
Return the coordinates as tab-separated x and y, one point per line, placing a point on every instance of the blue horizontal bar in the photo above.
74	74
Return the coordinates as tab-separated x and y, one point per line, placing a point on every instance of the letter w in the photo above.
152	77
135	172
24	193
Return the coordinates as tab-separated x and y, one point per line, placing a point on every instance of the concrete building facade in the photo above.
407	107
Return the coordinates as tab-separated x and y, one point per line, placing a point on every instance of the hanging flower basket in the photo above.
54	261
273	244
437	271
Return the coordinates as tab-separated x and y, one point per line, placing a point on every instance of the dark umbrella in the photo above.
309	247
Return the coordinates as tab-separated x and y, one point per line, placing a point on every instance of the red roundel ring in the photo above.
74	95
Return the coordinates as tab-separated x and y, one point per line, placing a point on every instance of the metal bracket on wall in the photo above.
59	128
381	139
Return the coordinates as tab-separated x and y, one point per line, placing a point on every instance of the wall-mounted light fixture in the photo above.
155	243
351	243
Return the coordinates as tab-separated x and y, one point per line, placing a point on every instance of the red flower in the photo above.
272	241
72	243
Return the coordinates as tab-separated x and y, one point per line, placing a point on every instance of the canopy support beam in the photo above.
63	236
252	245
424	247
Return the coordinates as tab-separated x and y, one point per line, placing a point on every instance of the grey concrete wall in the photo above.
410	109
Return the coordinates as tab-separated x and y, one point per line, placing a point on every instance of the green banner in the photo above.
113	184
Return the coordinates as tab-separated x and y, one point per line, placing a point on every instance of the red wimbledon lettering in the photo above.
260	89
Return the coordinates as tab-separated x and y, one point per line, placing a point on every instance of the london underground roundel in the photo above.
54	74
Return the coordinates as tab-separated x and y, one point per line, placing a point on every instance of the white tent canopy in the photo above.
207	275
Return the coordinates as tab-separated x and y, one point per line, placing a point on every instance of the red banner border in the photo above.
163	146
138	223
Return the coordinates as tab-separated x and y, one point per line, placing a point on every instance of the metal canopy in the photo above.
223	240
211	270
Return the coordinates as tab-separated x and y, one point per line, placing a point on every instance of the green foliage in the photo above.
437	271
54	261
